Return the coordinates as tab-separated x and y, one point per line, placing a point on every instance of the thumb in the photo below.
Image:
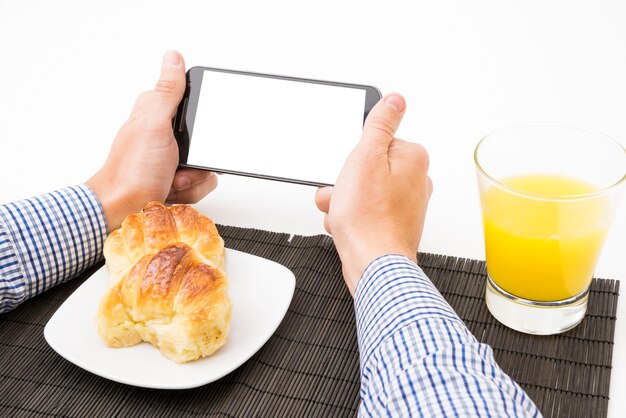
171	84
383	121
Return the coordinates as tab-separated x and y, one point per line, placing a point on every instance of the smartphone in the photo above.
268	126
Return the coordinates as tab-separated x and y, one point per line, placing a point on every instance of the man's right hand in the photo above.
142	164
379	201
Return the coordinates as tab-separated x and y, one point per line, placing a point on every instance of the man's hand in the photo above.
142	163
379	201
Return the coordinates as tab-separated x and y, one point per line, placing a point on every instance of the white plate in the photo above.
261	292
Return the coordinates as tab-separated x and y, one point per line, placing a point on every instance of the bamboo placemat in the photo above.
310	367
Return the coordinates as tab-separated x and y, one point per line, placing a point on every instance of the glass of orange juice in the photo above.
548	194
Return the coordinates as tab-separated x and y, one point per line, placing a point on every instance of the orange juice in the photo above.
542	242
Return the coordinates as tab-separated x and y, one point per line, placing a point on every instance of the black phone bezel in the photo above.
184	119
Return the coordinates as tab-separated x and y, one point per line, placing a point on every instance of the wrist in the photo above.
116	202
355	258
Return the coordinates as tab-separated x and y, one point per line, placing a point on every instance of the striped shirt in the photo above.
47	240
417	356
418	359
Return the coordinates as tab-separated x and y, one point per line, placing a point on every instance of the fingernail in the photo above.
171	57
395	102
183	182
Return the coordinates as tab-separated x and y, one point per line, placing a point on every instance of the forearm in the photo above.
417	355
47	240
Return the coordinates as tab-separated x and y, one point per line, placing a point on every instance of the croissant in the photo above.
167	284
153	229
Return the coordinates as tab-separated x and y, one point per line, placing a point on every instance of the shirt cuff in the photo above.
56	236
394	293
12	287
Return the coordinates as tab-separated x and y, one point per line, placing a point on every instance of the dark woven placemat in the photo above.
310	367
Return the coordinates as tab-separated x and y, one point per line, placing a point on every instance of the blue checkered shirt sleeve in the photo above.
418	359
47	240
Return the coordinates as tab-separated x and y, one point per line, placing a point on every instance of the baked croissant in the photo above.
153	229
168	287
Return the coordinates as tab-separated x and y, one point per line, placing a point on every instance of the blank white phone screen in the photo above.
274	127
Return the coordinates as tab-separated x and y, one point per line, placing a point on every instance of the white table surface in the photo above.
70	71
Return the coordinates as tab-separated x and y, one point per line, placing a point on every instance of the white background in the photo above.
259	125
70	72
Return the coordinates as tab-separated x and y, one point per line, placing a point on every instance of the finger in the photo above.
430	186
408	156
187	177
327	224
194	193
171	84
383	121
322	198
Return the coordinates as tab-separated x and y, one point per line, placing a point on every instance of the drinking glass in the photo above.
548	195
